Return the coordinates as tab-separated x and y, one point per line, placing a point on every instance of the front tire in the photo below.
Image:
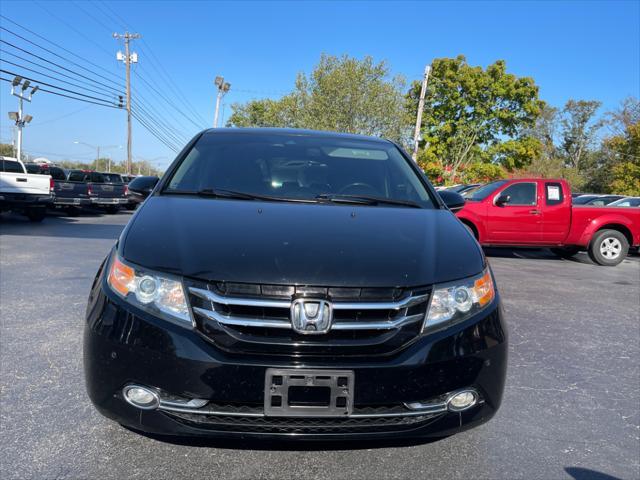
608	248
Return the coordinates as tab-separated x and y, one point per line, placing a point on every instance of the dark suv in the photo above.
295	283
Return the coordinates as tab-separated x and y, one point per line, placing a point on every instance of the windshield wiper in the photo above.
365	200
221	193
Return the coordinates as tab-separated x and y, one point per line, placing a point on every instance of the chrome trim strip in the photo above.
433	409
241	321
259	322
248	302
254	302
388	325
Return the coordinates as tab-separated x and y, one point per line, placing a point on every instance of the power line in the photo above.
52	77
72	28
199	127
52	86
61	48
158	123
49	69
154	62
154	132
64	95
61	116
56	64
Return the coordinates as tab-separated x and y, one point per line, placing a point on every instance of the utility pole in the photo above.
128	58
423	91
97	148
18	117
223	88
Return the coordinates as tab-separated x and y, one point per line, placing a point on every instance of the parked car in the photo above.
626	202
131	202
463	188
600	200
68	196
105	190
140	188
539	212
24	192
289	283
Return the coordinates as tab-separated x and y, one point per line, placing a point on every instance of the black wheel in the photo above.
608	248
565	252
112	209
73	211
36	214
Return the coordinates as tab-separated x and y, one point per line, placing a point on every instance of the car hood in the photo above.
296	243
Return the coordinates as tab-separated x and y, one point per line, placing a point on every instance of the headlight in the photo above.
457	301
148	290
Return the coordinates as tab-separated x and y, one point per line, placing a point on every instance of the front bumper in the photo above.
124	345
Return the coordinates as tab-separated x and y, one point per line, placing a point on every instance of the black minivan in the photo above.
297	284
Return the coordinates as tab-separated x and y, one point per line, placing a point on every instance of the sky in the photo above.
576	49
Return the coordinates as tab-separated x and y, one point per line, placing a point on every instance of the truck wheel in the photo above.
565	252
608	248
36	214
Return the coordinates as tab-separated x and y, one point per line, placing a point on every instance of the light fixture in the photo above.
35	89
13	115
28	118
25	85
218	81
16	81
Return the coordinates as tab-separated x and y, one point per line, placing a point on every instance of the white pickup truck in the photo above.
29	194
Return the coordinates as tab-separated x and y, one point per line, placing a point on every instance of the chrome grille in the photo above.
257	318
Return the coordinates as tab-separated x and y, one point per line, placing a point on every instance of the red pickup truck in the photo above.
538	212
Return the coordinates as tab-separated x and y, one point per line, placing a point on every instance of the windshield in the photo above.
483	192
582	200
626	202
298	167
112	178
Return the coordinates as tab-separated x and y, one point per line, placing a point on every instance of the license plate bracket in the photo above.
309	397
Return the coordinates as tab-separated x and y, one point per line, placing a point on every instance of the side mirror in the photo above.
454	201
141	187
502	200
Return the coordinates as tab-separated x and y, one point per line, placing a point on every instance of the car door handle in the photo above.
21	179
534	212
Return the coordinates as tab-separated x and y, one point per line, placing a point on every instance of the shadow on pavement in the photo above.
294	445
59	225
578	473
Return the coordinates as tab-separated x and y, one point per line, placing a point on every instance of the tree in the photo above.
6	150
611	168
341	94
578	130
470	113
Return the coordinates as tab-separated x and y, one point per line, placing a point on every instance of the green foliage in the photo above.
6	150
482	173
518	153
102	164
341	94
626	179
578	130
470	112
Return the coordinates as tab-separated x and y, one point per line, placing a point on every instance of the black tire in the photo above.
36	214
73	211
565	252
112	209
608	248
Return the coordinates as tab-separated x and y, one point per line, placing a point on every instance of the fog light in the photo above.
462	400
141	397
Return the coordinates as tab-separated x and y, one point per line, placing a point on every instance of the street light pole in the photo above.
223	88
20	119
423	91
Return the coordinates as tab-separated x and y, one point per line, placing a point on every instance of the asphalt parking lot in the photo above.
571	407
